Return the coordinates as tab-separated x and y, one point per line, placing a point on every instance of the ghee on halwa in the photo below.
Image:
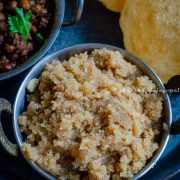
92	117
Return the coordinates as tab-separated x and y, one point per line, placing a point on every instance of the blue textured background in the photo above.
101	26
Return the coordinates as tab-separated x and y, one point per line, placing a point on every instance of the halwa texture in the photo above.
92	117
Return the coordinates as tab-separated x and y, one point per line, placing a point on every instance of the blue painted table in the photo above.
101	26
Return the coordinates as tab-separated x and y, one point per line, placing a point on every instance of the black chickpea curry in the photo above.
24	25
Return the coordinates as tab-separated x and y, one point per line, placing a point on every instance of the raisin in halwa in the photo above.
91	118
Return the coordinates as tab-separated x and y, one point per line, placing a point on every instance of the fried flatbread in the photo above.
151	30
113	5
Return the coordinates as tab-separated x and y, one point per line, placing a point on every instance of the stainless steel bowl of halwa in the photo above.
92	111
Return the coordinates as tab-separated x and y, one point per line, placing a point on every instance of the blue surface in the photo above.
101	26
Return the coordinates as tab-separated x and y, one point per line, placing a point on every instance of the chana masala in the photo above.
24	25
85	119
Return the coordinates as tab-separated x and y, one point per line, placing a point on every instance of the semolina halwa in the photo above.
85	118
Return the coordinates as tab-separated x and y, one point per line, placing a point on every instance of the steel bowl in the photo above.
58	21
20	102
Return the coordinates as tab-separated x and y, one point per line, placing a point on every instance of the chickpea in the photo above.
39	10
43	23
13	64
7	66
1	39
41	2
12	5
44	11
29	37
25	4
29	46
2	17
33	29
9	48
14	57
3	27
1	6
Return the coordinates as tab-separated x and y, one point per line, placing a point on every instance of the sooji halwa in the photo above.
86	120
23	28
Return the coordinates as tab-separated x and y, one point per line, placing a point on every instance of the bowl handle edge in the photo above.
11	148
77	14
